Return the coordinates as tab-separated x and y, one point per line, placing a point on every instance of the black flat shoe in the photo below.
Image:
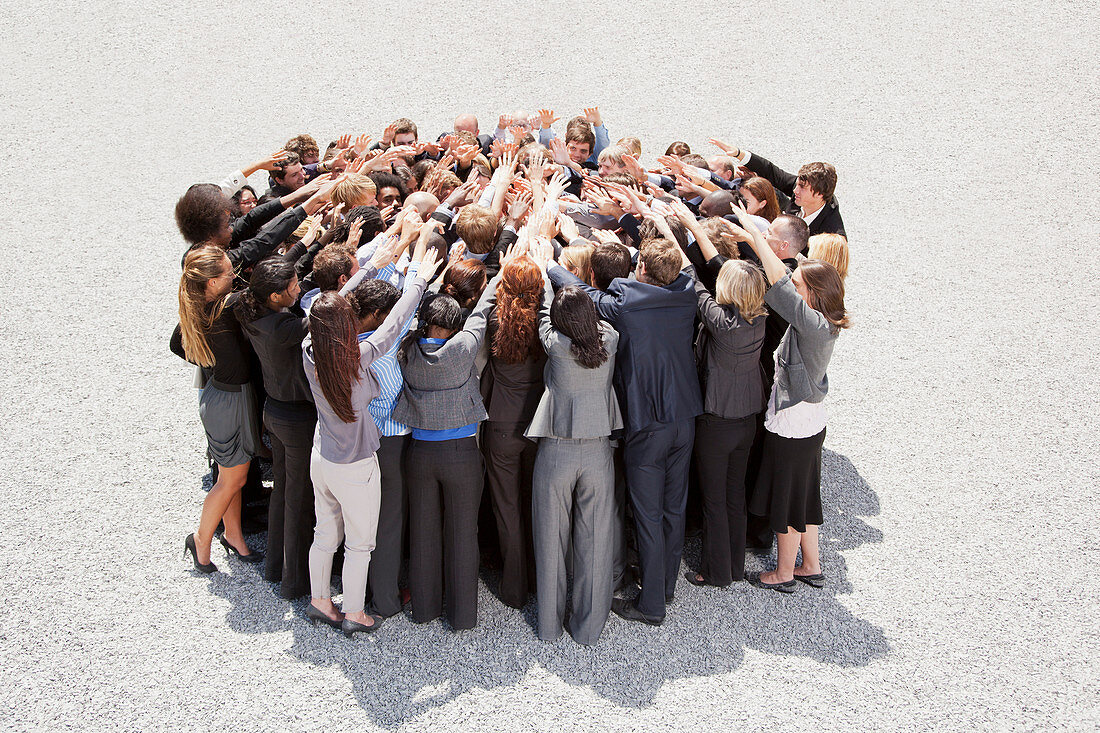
817	580
316	615
694	579
251	557
351	628
189	546
788	587
630	612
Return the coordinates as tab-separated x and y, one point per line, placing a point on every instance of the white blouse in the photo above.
804	420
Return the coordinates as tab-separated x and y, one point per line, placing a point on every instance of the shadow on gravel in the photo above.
406	669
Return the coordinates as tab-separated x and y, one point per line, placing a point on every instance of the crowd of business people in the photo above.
410	323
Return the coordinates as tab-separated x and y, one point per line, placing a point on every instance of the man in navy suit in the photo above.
658	390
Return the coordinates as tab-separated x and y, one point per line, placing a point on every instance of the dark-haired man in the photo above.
659	390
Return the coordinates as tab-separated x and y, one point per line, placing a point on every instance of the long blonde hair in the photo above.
741	284
831	248
577	258
201	265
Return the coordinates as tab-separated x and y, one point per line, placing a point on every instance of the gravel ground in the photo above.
959	450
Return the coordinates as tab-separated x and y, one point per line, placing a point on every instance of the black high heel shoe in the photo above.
350	628
251	557
316	615
189	546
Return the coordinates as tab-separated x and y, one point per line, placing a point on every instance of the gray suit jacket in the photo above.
577	402
805	350
442	391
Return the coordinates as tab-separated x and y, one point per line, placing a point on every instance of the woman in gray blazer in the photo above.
574	480
788	487
441	402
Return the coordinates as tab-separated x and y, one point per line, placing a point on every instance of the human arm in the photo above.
387	333
607	305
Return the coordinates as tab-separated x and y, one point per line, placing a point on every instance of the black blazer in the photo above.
655	375
828	221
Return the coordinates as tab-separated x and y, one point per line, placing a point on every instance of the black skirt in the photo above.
788	487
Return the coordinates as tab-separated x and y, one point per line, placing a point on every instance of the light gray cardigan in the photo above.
805	350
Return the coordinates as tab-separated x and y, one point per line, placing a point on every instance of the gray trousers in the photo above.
573	498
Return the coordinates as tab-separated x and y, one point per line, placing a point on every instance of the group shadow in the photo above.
406	669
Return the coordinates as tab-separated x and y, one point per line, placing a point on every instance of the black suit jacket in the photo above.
828	221
655	374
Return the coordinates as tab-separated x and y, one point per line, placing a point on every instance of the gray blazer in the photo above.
730	357
805	350
442	391
577	402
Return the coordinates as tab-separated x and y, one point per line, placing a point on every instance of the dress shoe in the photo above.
630	612
316	615
251	557
351	628
697	579
189	546
787	587
817	580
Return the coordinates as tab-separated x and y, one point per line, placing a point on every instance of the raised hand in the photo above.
427	147
568	227
536	168
386	252
458	253
518	132
504	122
273	161
555	187
547	118
313	229
449	141
519	207
672	162
636	204
388	135
426	230
725	147
429	265
634	168
515	249
606	236
683	213
560	151
592	114
540	250
361	143
387	211
506	171
355	232
343	142
466	153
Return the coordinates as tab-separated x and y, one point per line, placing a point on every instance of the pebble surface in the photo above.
961	481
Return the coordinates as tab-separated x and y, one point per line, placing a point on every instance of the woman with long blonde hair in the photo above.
831	248
734	396
210	336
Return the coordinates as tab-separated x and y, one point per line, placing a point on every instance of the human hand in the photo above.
313	229
683	214
555	187
520	206
560	151
536	168
568	227
504	122
355	232
592	114
725	147
429	265
606	236
343	142
634	168
361	143
540	250
428	147
548	118
515	250
386	252
274	161
388	135
426	231
672	162
506	171
466	153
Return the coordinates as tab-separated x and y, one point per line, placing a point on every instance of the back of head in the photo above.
826	291
200	265
423	202
573	315
662	260
717	203
478	227
577	258
519	295
696	160
716	227
464	282
609	261
831	248
678	148
371	224
200	212
270	276
795	231
742	285
633	144
614	154
355	190
333	330
820	177
329	266
304	146
373	296
436	309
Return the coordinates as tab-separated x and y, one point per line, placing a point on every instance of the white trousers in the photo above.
346	496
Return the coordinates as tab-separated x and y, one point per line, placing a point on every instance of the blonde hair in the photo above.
200	266
614	154
633	144
355	190
831	248
577	258
740	284
478	227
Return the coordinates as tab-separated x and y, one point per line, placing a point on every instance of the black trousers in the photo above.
758	532
290	516
509	466
657	464
385	562
721	457
445	481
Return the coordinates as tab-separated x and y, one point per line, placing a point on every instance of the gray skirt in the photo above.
228	413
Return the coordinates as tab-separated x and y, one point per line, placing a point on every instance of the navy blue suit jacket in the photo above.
655	375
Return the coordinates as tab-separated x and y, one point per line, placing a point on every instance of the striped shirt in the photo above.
390	381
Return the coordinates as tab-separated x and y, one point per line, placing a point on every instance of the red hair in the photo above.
519	294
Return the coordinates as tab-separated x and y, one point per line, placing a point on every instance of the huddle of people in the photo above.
410	322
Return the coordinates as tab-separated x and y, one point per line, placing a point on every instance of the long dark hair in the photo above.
436	309
269	276
518	296
573	314
333	327
464	282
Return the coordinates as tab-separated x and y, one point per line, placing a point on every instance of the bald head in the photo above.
424	202
717	203
466	123
723	165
